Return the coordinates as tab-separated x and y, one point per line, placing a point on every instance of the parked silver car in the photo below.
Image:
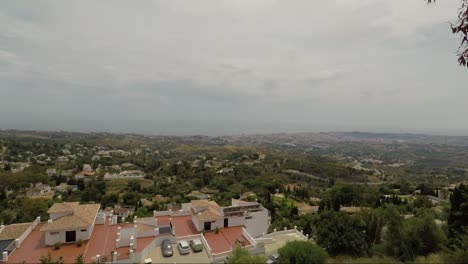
166	248
183	247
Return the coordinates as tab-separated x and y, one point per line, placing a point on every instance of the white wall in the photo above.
61	236
200	225
100	219
236	221
258	224
125	235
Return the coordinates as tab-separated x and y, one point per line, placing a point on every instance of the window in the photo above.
248	217
54	233
84	230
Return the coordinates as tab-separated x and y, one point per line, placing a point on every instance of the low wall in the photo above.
172	213
207	247
248	236
28	231
125	235
264	240
256	250
17	243
283	232
180	213
220	257
140	256
189	237
100	219
161	213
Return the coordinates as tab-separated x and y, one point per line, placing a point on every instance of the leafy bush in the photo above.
57	245
302	252
79	242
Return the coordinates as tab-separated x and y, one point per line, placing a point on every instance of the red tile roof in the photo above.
184	226
102	242
33	247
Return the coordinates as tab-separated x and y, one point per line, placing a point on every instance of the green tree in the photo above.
417	236
91	194
241	256
130	198
374	225
134	186
302	252
422	201
340	233
461	27
458	216
458	252
79	259
47	259
29	208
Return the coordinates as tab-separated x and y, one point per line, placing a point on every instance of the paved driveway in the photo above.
279	241
198	257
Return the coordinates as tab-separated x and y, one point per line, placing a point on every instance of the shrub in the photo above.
57	245
302	252
79	242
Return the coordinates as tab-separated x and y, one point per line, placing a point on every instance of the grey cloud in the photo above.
266	65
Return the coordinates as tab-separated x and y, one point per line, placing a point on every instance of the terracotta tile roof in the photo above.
291	186
205	210
226	239
87	173
80	216
63	207
13	231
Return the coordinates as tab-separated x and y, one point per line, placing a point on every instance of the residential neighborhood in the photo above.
204	200
74	228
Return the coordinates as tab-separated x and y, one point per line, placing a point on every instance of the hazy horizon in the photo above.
216	67
179	129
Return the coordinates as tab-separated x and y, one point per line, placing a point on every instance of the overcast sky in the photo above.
227	67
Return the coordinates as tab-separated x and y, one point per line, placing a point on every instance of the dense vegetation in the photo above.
346	210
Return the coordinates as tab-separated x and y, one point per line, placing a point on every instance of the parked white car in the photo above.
183	247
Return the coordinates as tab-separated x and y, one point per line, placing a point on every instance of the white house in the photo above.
38	189
70	222
252	215
208	215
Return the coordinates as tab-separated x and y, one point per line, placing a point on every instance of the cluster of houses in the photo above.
107	239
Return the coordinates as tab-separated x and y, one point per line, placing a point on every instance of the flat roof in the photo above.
280	240
14	231
183	224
